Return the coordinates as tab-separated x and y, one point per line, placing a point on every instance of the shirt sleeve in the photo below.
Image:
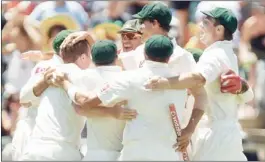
246	97
210	65
26	93
115	91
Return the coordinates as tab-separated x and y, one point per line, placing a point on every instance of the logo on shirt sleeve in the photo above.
40	70
105	87
141	64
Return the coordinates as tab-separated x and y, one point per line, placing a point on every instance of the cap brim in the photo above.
137	16
126	30
207	13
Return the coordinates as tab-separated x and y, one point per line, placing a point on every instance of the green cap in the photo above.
158	46
59	38
158	11
104	52
225	16
131	26
196	52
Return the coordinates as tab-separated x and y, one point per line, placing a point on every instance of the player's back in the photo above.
152	130
58	127
103	133
57	119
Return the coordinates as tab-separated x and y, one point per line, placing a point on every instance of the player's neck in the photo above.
162	32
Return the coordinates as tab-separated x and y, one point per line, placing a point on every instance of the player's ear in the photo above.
220	29
83	56
156	23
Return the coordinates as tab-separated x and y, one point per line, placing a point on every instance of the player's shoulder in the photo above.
216	52
41	66
179	54
137	75
70	66
90	72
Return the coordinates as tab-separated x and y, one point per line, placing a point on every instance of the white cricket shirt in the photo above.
178	60
56	119
26	93
103	133
216	60
153	122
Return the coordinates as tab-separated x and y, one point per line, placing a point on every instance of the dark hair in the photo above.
106	63
158	59
228	35
71	52
54	28
163	26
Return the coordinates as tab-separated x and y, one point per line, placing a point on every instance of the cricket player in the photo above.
131	36
29	97
151	135
56	134
104	125
223	141
155	19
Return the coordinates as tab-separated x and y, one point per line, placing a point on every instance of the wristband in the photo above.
244	87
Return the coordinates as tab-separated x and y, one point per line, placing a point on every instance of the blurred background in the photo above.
32	25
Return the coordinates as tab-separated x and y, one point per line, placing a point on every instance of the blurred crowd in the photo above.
32	25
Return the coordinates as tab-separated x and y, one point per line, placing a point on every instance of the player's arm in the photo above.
35	86
89	103
200	104
117	111
207	70
232	83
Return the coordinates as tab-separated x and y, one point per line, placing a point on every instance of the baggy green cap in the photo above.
158	11
59	38
225	16
159	46
104	52
131	26
196	52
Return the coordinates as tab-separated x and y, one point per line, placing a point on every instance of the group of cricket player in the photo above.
134	104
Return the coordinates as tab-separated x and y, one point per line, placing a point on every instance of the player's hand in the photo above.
58	78
78	109
26	105
184	140
122	113
231	83
36	55
157	82
48	75
76	37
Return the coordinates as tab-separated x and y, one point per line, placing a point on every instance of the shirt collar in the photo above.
57	58
174	42
223	44
153	64
109	68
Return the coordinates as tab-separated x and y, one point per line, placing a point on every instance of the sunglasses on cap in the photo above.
130	35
